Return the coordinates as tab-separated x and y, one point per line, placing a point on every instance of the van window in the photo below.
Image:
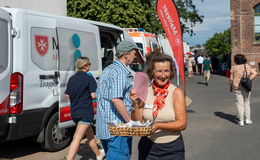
109	39
74	44
44	48
107	46
140	45
154	43
136	66
3	45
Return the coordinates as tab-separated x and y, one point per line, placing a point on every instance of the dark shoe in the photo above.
206	83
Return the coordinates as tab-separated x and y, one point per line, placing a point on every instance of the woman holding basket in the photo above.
165	106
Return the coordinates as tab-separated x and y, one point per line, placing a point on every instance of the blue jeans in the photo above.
117	148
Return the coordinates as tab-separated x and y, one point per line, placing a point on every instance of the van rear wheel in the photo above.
56	139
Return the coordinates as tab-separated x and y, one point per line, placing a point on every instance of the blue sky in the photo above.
216	19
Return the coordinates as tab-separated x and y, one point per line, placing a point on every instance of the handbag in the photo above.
245	81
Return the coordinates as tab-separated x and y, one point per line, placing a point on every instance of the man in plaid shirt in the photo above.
114	103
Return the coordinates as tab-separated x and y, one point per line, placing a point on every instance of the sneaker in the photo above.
241	123
248	122
102	155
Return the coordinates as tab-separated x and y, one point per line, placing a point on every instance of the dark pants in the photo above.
200	68
148	150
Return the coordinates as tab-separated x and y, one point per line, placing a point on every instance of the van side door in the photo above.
5	70
76	38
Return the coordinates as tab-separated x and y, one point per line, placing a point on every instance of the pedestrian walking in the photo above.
114	103
215	63
165	106
81	90
190	63
242	95
196	63
207	68
200	62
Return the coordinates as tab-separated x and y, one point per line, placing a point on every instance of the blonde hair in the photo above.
81	62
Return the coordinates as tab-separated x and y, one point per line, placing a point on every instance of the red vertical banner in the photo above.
170	20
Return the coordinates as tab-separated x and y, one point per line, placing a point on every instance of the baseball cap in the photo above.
125	46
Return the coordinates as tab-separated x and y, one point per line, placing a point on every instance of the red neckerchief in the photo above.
160	95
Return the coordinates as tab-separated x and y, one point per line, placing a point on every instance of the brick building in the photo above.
245	30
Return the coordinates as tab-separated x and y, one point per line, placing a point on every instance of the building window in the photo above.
257	22
3	46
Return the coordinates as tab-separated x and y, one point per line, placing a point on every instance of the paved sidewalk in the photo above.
213	132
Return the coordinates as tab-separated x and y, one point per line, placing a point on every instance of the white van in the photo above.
37	54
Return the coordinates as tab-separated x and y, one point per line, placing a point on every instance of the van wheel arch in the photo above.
51	111
55	139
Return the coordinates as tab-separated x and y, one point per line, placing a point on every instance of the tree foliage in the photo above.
219	44
132	14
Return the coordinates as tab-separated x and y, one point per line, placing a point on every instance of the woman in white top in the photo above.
165	106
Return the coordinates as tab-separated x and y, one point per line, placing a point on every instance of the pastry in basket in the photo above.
132	128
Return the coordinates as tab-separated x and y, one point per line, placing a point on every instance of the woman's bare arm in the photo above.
179	107
67	96
253	73
93	95
138	106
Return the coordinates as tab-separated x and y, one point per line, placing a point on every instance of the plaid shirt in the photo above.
115	82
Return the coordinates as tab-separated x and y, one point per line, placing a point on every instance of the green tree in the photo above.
132	14
219	44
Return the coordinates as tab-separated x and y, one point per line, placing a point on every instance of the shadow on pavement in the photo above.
27	149
20	148
190	111
201	83
229	117
86	152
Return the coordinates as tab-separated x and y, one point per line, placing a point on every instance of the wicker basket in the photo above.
130	131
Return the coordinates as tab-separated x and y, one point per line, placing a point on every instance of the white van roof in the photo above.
15	11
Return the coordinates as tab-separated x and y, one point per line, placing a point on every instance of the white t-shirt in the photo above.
200	60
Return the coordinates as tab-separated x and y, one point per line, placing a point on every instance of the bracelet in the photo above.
135	107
